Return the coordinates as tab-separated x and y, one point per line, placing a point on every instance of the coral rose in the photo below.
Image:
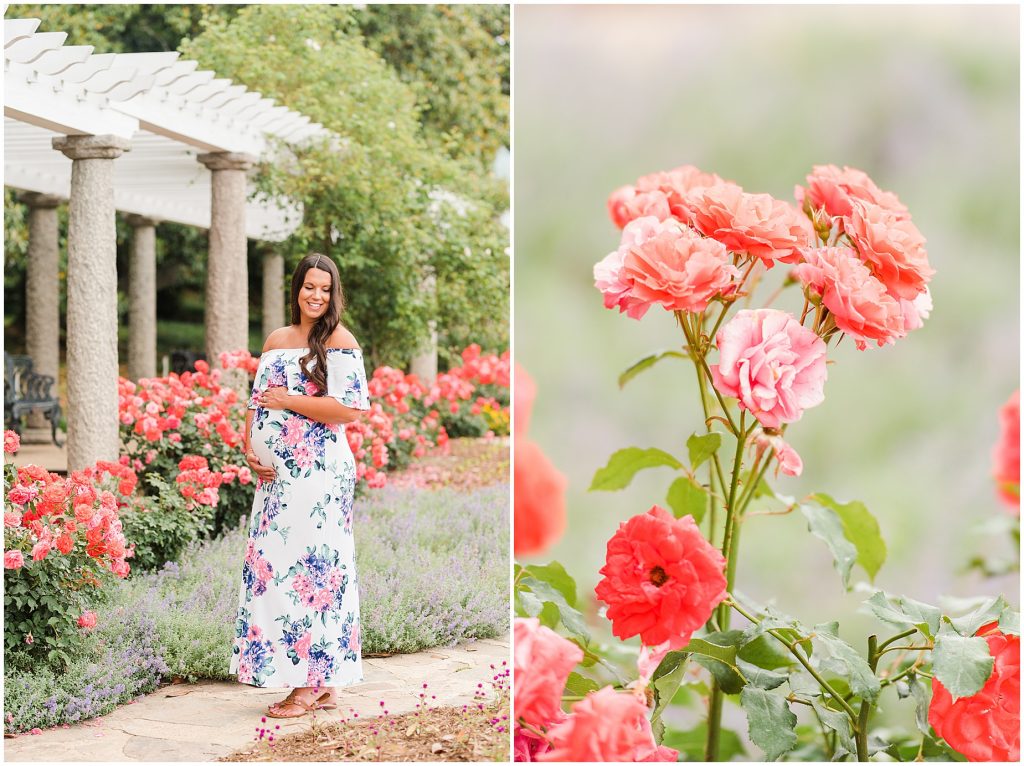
1006	452
830	188
527	746
985	726
608	276
539	500
627	203
12	442
857	301
662	579
87	620
771	364
892	246
679	269
758	224
678	186
606	726
542	663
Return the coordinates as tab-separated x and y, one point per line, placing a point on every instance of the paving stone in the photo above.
211	719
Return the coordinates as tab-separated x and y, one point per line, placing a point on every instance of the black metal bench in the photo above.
28	391
184	360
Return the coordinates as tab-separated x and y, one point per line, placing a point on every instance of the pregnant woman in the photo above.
298	606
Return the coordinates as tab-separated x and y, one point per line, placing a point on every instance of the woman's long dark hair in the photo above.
325	325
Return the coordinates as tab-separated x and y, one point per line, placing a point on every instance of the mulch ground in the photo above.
434	734
468	464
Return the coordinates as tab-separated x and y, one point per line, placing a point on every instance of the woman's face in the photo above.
314	294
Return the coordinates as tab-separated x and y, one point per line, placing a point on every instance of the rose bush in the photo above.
669	577
63	543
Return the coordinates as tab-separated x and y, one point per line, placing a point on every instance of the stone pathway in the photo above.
208	720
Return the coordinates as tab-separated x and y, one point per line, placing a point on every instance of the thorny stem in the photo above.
865	707
894	639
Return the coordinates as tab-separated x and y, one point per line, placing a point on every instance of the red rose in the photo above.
1006	453
985	726
662	579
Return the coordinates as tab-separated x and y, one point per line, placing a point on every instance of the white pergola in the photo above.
158	139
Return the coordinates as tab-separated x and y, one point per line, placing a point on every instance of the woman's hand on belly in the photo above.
265	472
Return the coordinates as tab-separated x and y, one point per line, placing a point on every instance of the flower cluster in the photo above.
198	484
45	513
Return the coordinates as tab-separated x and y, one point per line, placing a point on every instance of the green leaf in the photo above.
702	447
987	612
549	615
1009	621
688	498
665	688
770	722
669	663
861	529
766	679
838	722
911	686
905	612
527	604
625	463
579	685
845	661
571	618
763	653
963	664
555	575
826	524
648	361
691	743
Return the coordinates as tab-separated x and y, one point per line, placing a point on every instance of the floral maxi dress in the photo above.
298	604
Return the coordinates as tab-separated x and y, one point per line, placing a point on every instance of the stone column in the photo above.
92	299
142	298
227	275
424	364
273	292
42	291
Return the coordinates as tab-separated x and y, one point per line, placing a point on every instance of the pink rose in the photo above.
757	224
789	461
13	560
87	620
1006	453
833	189
526	745
626	204
41	550
542	663
525	393
20	495
608	273
679	269
12	519
858	302
12	442
245	474
892	246
774	367
606	726
303	644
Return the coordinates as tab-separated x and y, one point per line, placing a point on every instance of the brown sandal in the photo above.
292	700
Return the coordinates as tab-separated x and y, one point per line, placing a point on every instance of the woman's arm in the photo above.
325	409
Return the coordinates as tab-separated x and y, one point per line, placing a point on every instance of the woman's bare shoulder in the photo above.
342	338
282	337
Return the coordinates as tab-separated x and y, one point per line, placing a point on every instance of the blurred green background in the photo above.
925	99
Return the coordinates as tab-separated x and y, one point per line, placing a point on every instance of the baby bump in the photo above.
265	430
297	445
